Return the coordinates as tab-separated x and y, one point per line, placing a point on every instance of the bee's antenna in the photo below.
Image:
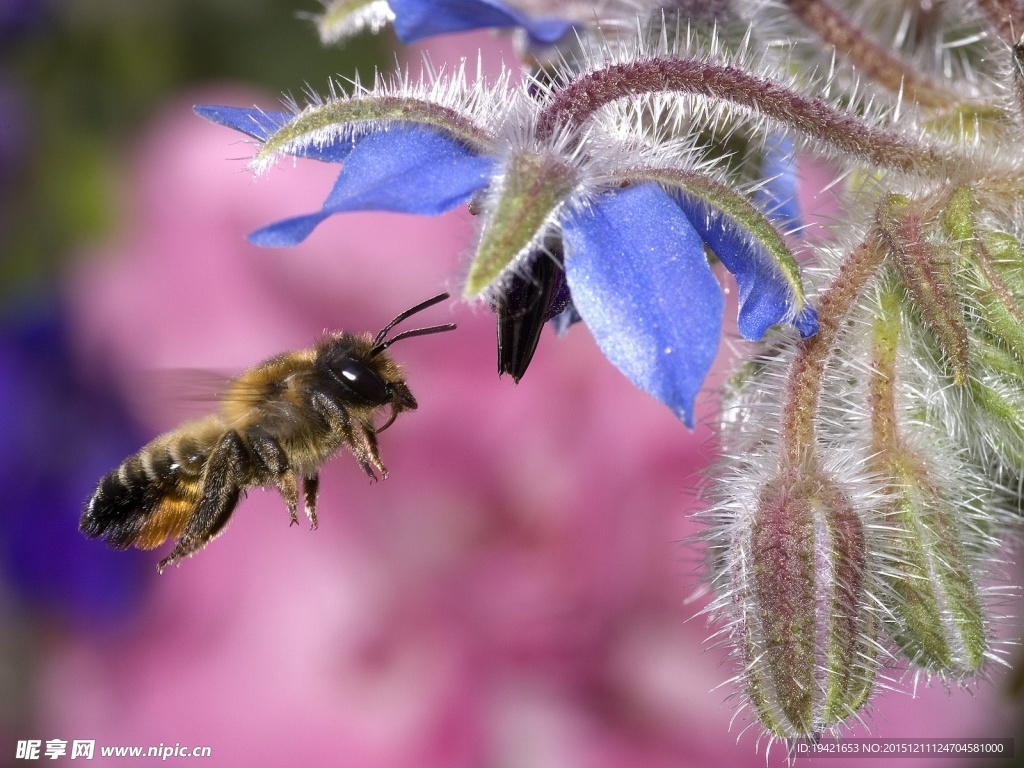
378	348
409	313
379	344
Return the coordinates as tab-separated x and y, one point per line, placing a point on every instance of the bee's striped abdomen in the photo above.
151	496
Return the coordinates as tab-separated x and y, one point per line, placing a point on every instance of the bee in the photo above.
278	422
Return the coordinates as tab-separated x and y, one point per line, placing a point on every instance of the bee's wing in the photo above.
175	394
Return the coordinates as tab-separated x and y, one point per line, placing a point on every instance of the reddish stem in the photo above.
871	60
574	104
804	386
1006	18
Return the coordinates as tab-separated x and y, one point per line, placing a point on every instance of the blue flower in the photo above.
418	19
634	252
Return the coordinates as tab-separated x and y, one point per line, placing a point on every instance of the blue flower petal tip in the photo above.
252	121
766	294
287	232
807	322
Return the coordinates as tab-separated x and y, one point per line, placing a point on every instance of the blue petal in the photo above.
565	319
641	283
406	169
259	124
417	19
562	314
766	296
287	232
778	195
251	121
806	322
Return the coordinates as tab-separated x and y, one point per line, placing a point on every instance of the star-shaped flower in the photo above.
632	217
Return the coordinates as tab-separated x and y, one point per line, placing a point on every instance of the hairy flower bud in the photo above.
807	624
996	387
934	605
927	273
995	266
933	611
1000	290
998	418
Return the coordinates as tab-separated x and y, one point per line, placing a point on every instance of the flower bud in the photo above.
927	272
934	609
998	422
999	294
995	429
808	627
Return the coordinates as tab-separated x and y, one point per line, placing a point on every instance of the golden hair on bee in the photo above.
278	423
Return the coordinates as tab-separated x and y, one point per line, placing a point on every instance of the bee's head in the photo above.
365	379
366	374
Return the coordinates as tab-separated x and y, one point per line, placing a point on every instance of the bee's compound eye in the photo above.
363	381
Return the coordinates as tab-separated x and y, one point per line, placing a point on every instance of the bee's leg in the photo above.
310	488
360	438
370	451
222	484
363	444
268	452
362	441
289	488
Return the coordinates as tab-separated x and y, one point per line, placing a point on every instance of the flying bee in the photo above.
278	422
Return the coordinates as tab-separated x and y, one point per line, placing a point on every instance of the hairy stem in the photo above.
574	104
1006	18
871	60
885	440
804	386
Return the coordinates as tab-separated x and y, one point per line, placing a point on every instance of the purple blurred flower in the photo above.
57	435
19	18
